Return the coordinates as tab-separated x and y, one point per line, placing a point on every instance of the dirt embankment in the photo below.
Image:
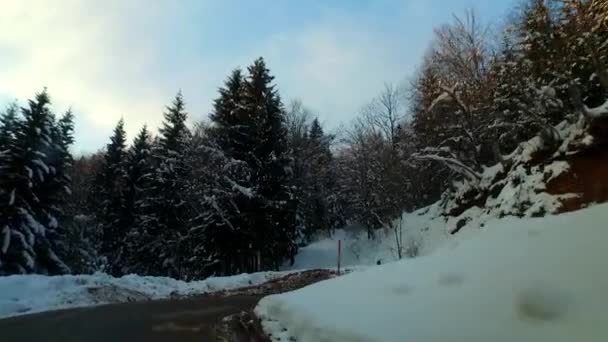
587	177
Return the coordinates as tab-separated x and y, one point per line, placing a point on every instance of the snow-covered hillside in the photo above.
25	294
516	187
422	231
520	279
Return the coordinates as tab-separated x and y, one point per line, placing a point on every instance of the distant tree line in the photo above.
243	190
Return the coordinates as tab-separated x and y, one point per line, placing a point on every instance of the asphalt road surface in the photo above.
192	319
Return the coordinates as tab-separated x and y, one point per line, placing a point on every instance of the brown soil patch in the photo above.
587	178
115	294
288	283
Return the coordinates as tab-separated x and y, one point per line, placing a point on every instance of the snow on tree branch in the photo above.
441	98
589	113
456	97
597	112
453	163
450	93
247	192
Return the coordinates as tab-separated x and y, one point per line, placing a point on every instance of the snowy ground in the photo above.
519	279
423	231
24	294
356	250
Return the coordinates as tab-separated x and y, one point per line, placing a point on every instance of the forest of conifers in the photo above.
241	190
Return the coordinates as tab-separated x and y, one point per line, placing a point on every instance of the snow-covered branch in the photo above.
589	113
453	163
456	97
597	112
451	93
247	192
439	99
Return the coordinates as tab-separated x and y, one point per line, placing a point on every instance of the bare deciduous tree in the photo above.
386	112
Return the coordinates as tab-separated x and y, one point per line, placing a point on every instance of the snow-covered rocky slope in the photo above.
520	279
25	294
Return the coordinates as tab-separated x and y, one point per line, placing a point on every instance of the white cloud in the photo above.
92	56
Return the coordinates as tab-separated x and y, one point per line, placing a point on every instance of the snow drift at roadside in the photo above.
25	294
519	279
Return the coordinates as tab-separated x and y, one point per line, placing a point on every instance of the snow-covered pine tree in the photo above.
110	188
81	236
541	67
8	125
217	235
139	174
231	123
537	34
582	33
221	234
8	130
165	212
551	50
59	184
273	218
251	208
318	182
298	125
34	186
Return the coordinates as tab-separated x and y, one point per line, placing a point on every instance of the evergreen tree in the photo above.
232	123
30	210
542	64
8	125
582	34
317	202
251	216
221	233
110	190
60	183
273	217
323	177
139	174
165	211
81	237
8	130
139	169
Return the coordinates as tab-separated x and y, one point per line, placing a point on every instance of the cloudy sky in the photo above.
113	58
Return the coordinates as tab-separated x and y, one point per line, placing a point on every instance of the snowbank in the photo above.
24	294
521	279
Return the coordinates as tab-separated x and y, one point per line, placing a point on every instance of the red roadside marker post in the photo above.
339	254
